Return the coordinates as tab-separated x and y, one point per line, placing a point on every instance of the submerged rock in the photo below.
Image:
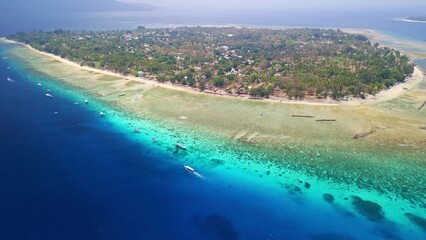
363	134
371	210
328	198
417	220
307	185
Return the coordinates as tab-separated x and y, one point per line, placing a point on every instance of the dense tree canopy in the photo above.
294	62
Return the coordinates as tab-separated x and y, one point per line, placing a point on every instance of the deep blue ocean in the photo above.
68	173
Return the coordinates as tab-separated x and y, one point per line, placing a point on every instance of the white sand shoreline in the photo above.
383	95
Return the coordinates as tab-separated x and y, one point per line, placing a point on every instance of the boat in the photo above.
85	101
189	169
136	130
101	113
154	139
49	95
121	95
38	84
178	145
10	79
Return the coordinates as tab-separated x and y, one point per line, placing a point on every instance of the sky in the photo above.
27	15
207	5
72	5
281	4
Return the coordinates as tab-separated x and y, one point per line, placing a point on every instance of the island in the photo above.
361	159
284	63
415	19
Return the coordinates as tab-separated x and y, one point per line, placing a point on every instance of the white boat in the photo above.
38	84
189	169
101	113
10	79
49	95
7	67
178	145
85	101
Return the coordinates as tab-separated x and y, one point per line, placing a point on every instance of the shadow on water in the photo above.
215	227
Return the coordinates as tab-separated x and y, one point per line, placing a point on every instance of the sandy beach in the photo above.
391	116
384	95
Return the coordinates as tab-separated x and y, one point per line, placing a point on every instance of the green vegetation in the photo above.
293	63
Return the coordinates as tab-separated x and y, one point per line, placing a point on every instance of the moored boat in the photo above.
189	169
178	145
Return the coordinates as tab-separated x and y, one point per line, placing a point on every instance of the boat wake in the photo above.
191	170
199	175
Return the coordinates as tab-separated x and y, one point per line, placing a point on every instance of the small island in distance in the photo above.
289	63
415	19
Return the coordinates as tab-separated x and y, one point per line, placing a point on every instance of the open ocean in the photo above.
68	173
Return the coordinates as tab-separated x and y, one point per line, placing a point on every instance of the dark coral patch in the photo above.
419	221
216	162
328	198
371	210
307	185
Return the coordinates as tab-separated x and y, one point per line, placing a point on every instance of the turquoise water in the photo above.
79	170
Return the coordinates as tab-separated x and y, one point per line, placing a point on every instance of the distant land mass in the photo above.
289	63
417	19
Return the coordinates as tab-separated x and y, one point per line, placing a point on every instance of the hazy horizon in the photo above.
216	6
21	15
243	5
